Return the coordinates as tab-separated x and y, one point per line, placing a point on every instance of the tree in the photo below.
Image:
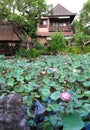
4	11
24	12
85	17
82	25
85	14
77	25
80	38
25	15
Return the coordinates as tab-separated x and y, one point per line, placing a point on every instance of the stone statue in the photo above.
12	113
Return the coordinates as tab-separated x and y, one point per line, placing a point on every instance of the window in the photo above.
64	24
60	24
43	23
55	24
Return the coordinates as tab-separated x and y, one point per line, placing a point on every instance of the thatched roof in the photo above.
7	33
59	10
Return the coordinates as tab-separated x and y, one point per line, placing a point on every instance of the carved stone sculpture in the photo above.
12	113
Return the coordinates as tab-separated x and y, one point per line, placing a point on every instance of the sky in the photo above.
72	5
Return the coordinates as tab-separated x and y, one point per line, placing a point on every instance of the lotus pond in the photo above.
45	79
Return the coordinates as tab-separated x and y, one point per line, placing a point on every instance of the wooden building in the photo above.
58	20
9	39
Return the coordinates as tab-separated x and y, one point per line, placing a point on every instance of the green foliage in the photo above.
38	45
55	95
17	18
82	25
74	49
62	73
21	52
4	11
38	49
77	49
57	42
73	122
79	38
23	12
41	48
86	49
77	25
85	14
32	53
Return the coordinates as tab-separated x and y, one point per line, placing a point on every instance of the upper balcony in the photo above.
60	29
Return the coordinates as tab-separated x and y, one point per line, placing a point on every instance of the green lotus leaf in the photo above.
86	84
45	91
46	80
86	107
2	80
20	78
55	120
72	122
87	93
28	100
28	88
18	72
28	77
46	126
72	79
31	123
19	89
55	95
10	82
81	78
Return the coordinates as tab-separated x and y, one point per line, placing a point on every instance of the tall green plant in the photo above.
57	42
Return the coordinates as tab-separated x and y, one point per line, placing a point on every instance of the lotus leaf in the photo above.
72	122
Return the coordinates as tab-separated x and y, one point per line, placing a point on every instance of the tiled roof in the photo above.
59	10
7	33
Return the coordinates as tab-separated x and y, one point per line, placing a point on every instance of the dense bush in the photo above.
79	38
21	52
38	45
41	48
57	42
77	49
57	45
86	49
32	53
74	49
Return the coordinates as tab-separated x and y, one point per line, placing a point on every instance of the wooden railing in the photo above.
7	52
60	29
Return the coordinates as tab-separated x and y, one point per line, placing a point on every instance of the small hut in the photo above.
9	38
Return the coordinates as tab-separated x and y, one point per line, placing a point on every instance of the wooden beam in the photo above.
85	43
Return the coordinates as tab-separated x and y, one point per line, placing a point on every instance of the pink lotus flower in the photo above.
65	96
53	69
43	72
